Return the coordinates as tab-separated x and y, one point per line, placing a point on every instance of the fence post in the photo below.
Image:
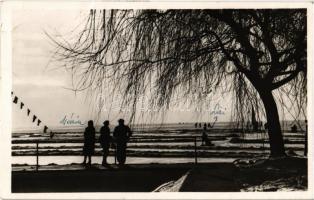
195	150
37	164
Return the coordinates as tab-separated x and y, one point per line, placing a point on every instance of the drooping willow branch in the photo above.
190	54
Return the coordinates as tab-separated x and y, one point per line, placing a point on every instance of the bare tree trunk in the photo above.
276	142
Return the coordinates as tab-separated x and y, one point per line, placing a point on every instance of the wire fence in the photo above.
193	140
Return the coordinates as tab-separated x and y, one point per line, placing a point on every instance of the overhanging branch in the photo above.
285	80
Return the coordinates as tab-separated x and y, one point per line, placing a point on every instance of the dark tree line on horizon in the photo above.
260	56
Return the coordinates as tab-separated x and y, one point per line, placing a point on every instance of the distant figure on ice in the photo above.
294	129
121	134
195	125
105	140
89	142
210	126
205	140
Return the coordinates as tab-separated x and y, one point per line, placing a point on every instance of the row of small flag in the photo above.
16	100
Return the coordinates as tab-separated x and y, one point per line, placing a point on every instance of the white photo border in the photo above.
6	12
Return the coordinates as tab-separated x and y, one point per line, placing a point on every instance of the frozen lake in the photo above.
149	144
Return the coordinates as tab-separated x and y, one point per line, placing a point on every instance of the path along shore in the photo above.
288	173
131	178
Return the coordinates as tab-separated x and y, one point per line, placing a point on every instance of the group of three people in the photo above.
121	135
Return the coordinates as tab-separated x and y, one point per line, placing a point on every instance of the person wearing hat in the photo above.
121	134
104	140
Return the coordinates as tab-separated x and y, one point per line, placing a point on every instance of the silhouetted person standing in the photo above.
205	139
89	142
105	140
121	134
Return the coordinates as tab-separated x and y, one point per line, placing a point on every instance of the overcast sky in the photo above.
40	83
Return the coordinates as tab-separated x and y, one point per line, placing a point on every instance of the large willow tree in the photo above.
256	54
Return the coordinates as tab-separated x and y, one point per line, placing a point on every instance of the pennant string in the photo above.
34	118
22	105
16	99
45	129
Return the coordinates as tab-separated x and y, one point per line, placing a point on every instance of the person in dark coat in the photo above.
89	142
121	135
205	140
105	140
